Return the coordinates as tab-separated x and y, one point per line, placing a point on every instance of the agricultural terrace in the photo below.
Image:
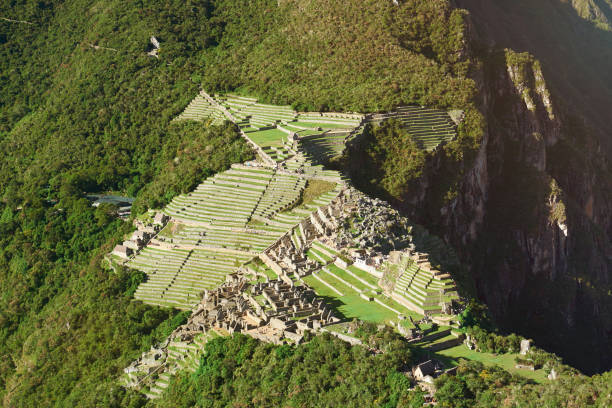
353	291
355	294
223	224
235	215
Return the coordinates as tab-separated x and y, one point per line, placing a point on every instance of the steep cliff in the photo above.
540	257
530	211
597	11
533	216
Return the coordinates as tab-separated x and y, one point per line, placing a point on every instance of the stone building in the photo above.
122	251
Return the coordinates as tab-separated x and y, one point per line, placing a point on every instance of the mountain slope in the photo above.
599	12
530	212
576	56
84	109
546	173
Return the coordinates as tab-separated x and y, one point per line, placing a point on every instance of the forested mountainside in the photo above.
597	12
83	108
561	231
533	213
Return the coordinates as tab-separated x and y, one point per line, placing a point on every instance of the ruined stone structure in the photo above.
273	311
239	250
144	233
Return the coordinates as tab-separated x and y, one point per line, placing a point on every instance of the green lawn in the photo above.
321	255
506	361
371	279
405	311
270	137
351	305
269	273
343	275
321	125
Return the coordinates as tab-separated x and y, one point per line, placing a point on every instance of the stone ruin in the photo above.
273	311
366	230
154	47
373	224
288	311
288	256
145	231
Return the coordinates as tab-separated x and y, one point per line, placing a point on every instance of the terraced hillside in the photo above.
228	199
227	221
251	114
176	277
233	216
320	148
427	127
419	291
275	219
279	131
423	288
355	290
320	136
302	165
200	109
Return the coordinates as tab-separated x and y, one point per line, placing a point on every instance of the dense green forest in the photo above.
84	109
393	158
241	371
327	372
77	119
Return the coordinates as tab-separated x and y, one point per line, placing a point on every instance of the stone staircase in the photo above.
423	290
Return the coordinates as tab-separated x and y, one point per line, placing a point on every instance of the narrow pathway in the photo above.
10	20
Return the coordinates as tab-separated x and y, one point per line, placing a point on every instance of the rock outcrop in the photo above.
533	214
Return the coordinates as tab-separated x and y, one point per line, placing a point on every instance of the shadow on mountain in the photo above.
576	55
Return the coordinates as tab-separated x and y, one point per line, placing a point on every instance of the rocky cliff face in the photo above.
531	212
596	11
533	216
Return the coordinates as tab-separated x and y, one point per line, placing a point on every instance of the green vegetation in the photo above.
416	36
598	13
270	137
454	355
83	108
81	119
477	385
494	343
385	159
325	372
315	188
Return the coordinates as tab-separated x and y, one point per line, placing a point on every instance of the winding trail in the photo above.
10	20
